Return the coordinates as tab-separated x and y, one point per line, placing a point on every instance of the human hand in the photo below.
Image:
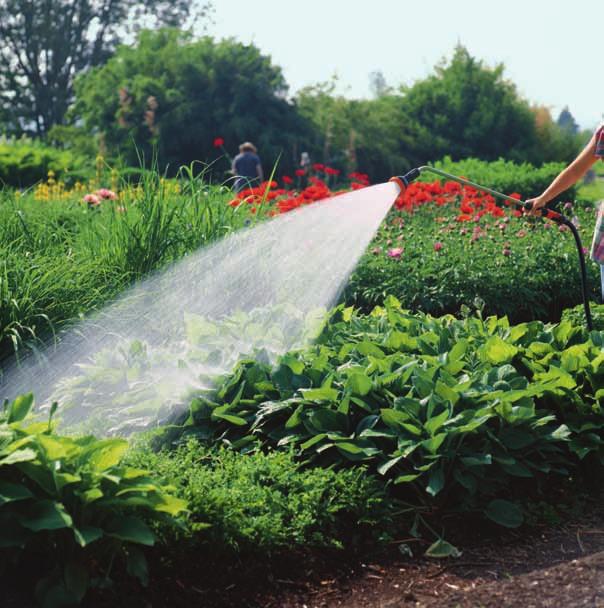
535	205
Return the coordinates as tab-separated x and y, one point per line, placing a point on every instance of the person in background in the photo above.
593	151
247	167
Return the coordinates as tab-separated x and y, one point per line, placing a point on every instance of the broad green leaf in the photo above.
504	513
497	352
45	515
406	478
436	481
441	548
11	492
106	453
446	392
359	383
293	363
236	420
432	444
20	408
433	424
320	394
131	529
17	456
85	535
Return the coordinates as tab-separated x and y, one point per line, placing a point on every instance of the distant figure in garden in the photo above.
247	167
593	151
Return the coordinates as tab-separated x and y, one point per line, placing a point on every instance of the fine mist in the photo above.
260	291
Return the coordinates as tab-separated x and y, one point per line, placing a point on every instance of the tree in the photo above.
467	109
378	84
178	94
44	44
566	121
373	136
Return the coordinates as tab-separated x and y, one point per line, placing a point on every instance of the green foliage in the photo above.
524	269
576	315
46	44
464	109
467	109
61	259
181	94
25	162
505	176
262	503
460	414
70	504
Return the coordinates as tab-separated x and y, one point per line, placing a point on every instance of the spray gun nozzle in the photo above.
402	181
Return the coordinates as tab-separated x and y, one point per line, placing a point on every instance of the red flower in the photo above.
218	142
318	167
287	179
331	171
300	172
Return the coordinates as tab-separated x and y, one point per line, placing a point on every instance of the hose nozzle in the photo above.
402	181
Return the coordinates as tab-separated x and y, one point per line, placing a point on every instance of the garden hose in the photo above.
403	182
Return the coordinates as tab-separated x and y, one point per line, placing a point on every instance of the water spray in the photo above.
403	181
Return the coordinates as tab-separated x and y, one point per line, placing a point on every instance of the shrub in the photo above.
505	176
261	503
70	506
24	163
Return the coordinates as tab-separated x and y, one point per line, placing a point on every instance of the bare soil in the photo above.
545	566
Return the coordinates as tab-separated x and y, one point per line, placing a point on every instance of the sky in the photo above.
551	49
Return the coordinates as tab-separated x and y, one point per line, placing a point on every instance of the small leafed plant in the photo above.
69	505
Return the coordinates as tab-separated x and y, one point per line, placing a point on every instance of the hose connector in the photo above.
402	181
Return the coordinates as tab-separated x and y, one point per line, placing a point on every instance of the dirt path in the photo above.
561	567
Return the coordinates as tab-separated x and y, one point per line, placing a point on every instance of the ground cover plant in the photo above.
265	503
461	415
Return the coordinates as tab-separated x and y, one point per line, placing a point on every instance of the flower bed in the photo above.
444	248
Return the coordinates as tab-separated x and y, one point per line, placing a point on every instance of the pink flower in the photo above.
521	233
438	246
92	199
105	194
395	253
568	206
376	250
507	252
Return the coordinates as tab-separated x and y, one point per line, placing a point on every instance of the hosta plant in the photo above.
467	414
70	506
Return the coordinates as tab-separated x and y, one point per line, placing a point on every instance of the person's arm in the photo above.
233	167
572	174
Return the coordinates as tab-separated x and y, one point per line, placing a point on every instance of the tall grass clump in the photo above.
62	259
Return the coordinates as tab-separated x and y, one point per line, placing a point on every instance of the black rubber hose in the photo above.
566	222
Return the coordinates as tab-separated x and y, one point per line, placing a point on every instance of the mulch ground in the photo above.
561	566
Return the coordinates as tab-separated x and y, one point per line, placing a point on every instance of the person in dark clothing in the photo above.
247	167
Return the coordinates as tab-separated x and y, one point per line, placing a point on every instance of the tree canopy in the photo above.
179	94
45	44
